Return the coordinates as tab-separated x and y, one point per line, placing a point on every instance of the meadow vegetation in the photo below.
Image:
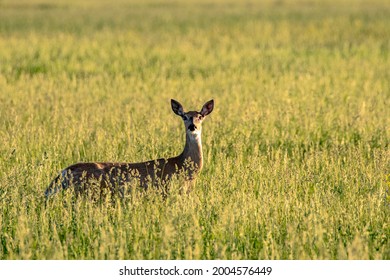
296	150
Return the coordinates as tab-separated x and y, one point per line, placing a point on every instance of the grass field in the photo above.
297	161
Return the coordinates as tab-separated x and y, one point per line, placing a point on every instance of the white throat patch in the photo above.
194	135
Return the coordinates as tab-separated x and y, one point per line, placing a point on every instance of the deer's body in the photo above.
112	175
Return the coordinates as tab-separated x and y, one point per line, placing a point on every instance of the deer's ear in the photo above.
177	108
207	108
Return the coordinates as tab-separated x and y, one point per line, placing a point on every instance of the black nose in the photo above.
192	127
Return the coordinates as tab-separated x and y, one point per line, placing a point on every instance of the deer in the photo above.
115	175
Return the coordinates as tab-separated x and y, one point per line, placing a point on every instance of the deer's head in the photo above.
193	119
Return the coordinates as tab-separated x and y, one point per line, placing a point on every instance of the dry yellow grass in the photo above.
296	150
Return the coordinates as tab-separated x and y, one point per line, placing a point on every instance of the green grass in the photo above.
296	151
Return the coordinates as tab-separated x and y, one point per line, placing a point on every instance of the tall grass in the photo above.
296	150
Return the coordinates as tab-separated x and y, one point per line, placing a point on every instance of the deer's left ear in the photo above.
177	107
207	108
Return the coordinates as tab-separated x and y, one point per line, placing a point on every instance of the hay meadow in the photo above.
296	150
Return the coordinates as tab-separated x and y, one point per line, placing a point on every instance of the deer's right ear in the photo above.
177	108
207	108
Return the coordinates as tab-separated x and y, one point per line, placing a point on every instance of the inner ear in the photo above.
177	108
207	108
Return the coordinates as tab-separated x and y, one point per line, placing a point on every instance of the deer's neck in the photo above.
192	153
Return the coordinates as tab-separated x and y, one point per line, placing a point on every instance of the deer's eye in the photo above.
185	118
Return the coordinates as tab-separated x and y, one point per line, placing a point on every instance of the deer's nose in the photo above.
192	127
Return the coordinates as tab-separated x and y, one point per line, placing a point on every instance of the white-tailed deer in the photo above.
114	175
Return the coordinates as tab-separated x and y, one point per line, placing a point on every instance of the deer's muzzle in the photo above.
192	127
